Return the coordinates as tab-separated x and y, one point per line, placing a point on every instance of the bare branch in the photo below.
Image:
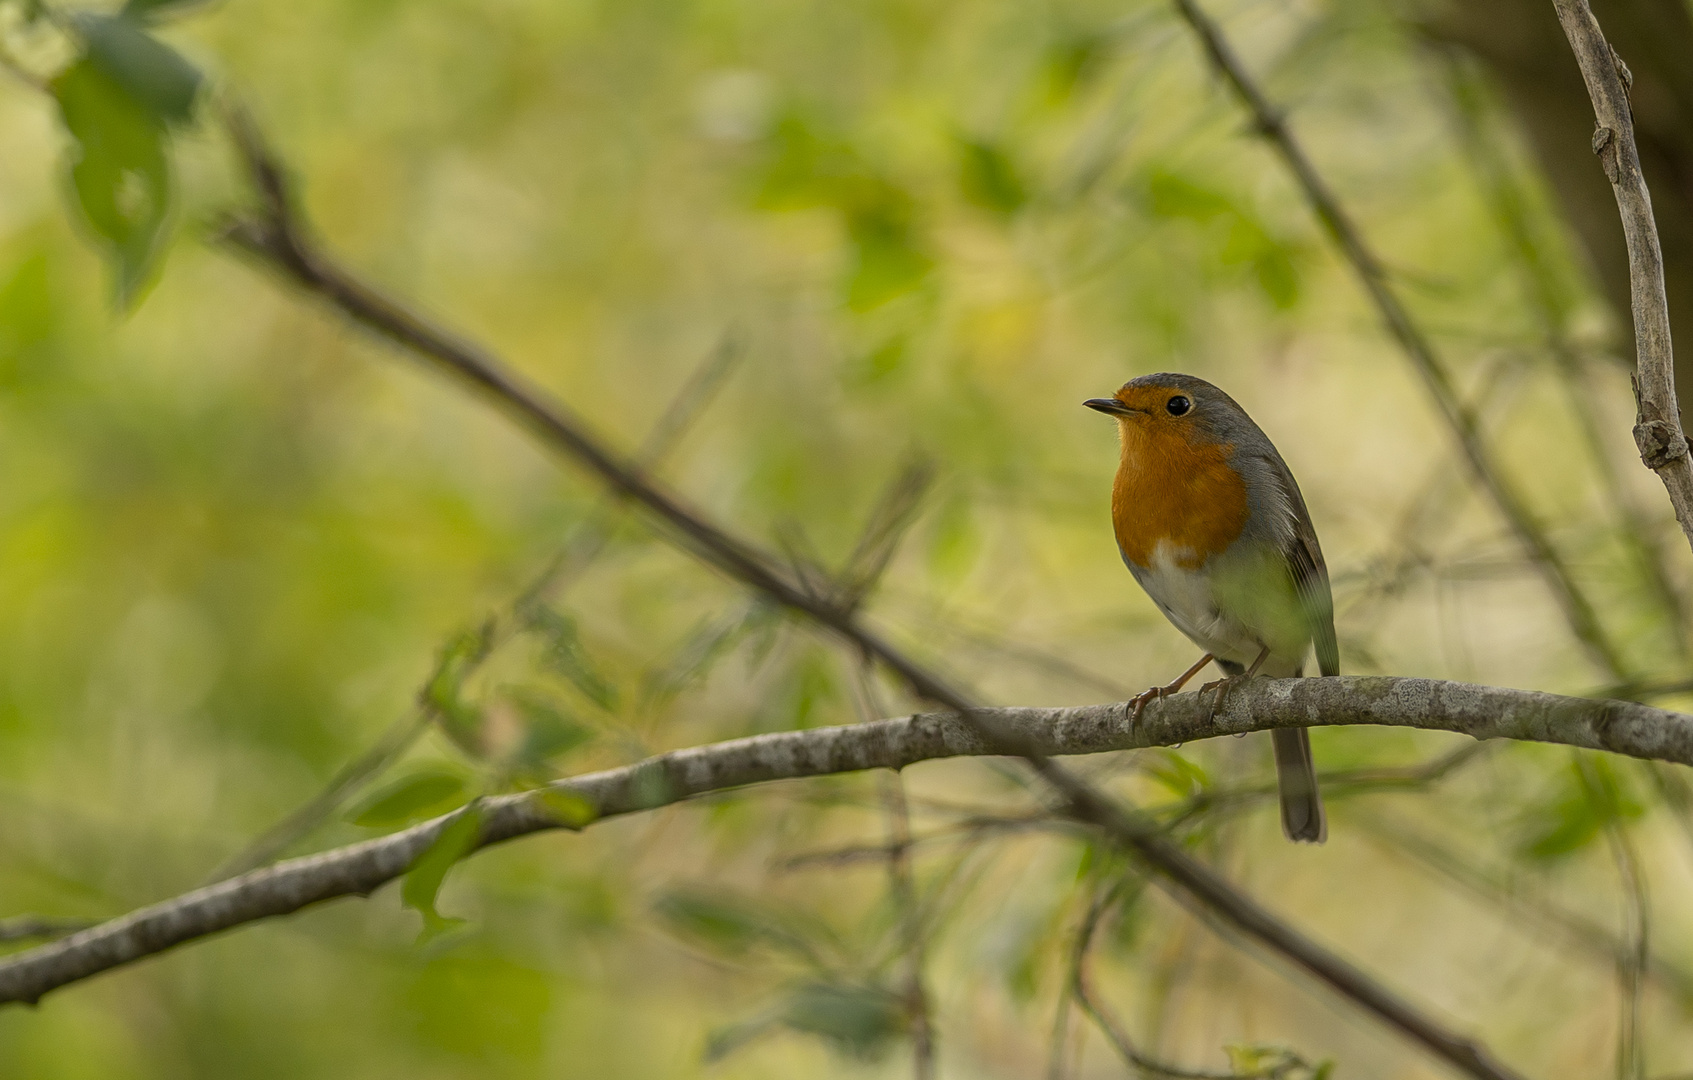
1578	610
1483	712
1657	429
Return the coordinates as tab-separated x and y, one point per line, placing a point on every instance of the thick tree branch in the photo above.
1479	711
1657	429
275	238
1578	610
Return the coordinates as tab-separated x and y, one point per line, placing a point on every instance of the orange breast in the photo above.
1169	490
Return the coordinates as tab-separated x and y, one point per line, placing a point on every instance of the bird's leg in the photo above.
1155	693
1223	685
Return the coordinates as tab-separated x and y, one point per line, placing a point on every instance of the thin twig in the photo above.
1081	990
1633	954
1577	609
275	238
1657	429
904	890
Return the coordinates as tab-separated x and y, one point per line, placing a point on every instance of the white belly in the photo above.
1187	598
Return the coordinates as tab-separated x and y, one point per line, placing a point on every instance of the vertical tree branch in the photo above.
1551	304
1577	609
1657	429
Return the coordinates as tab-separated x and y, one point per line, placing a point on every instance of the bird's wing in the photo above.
1310	573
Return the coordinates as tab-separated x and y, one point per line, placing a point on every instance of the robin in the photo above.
1212	525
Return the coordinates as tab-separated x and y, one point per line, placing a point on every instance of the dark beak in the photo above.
1109	405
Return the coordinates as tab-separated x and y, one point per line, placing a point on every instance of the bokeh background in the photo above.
237	536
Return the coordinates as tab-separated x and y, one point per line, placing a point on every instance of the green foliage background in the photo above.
236	535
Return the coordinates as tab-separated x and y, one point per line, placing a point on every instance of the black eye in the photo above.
1178	405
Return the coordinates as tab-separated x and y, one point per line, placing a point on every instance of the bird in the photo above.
1211	523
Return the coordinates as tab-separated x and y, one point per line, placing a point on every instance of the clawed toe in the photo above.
1222	686
1138	703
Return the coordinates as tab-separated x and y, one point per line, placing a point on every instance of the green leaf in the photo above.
423	881
859	1019
989	179
154	75
119	172
1590	799
726	1040
732	925
461	720
1071	62
888	262
1273	1062
571	809
1182	777
548	733
567	656
424	793
151	10
1173	196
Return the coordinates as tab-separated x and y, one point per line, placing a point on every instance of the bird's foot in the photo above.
1140	701
1222	687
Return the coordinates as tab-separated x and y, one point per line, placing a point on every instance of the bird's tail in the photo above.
1302	804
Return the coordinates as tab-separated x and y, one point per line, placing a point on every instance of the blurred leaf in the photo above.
1590	800
423	794
444	692
888	260
119	172
1172	196
1277	276
1273	1062
881	362
733	925
859	1019
1248	242
423	881
726	1040
803	169
705	646
567	656
856	1019
954	541
1072	61
806	170
481	1008
1183	778
154	75
570	808
548	733
149	10
1129	920
811	687
988	178
718	921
